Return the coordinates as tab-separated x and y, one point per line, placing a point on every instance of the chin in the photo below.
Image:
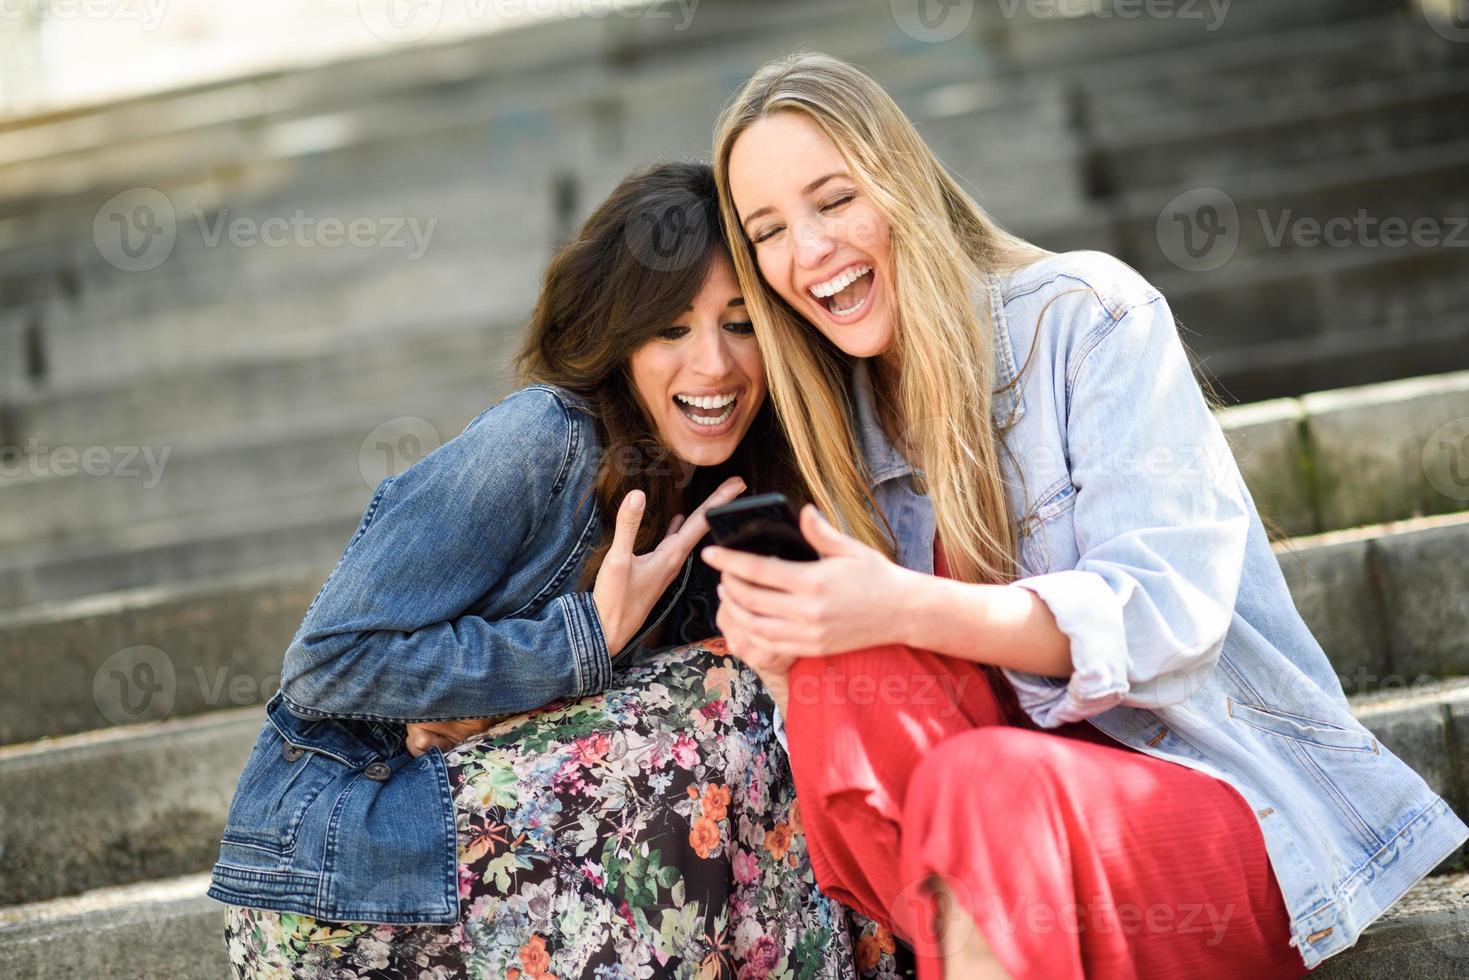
865	343
706	455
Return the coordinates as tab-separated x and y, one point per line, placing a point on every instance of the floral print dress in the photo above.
648	831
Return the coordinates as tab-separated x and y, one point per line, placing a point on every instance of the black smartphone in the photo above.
763	525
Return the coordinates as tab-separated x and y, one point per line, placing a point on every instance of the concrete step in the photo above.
1382	118
387	373
156	930
160	792
57	498
1343	358
1285	70
496	235
1386	602
261	536
354	307
190	766
1333	476
1407	183
1355	456
148	654
1425	934
86	330
612	64
1060	36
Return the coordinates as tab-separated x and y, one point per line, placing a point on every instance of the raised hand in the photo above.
628	585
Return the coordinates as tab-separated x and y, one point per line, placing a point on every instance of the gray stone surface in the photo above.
263	537
1333	590
77	496
165	930
1270	450
124	805
1425	576
1425	936
1368	449
396	373
150	654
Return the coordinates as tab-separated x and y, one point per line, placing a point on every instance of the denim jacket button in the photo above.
378	771
291	752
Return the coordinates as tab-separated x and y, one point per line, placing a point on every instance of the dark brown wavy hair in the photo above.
632	270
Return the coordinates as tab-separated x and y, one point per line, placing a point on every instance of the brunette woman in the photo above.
628	811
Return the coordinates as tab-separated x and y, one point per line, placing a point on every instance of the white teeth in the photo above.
708	401
841	281
720	420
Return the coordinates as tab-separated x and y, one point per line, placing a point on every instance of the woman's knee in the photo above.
996	768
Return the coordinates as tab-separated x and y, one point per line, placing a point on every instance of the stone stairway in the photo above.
189	434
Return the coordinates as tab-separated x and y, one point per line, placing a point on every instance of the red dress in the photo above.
1075	855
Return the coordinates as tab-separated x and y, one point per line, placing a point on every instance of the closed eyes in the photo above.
841	200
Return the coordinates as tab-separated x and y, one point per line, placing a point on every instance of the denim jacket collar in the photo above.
884	461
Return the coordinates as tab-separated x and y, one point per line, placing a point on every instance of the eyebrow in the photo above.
737	301
808	189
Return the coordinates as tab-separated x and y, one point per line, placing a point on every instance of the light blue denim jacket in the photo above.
1138	533
456	597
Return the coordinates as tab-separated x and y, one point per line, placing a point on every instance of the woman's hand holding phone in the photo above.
628	585
772	611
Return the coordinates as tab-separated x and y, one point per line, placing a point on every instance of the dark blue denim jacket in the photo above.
456	597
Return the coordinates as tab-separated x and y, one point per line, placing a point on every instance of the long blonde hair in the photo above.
946	250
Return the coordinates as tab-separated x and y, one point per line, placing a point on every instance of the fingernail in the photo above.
719	591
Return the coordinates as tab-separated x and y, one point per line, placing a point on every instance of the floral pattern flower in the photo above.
648	831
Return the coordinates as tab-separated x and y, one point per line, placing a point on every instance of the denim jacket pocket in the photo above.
1312	731
293	762
278	787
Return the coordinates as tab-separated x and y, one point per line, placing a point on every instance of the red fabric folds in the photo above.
1075	855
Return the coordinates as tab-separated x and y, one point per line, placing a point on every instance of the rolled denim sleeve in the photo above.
1160	520
390	636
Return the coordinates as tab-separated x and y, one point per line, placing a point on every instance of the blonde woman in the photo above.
1099	739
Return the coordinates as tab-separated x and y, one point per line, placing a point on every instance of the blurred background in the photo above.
256	258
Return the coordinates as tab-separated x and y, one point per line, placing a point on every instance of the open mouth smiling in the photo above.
846	293
708	411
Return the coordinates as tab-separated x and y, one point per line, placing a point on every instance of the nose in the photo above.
711	357
814	241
